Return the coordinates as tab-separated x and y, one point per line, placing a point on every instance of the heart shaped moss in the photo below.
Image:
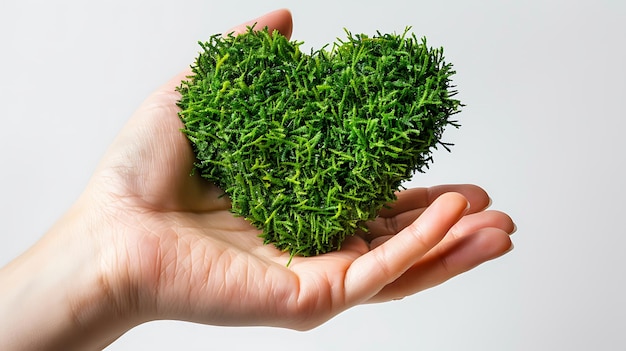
311	146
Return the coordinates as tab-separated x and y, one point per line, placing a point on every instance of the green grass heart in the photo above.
309	147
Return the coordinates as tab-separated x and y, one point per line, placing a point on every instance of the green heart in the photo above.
310	147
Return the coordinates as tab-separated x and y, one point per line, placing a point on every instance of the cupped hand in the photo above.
168	247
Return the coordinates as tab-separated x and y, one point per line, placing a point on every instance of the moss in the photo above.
311	146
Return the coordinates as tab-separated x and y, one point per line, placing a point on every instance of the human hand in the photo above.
148	241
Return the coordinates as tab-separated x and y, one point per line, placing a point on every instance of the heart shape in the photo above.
310	147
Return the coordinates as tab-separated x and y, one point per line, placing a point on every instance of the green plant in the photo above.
311	146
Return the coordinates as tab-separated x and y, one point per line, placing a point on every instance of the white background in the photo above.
543	131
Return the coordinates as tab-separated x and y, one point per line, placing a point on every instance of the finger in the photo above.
369	273
462	255
412	202
467	225
487	219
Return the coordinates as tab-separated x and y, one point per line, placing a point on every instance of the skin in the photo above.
147	241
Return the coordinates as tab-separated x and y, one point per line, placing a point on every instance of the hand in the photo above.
148	241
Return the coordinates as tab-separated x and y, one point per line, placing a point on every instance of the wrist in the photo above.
58	295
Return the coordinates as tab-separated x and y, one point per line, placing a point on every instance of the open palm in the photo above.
181	254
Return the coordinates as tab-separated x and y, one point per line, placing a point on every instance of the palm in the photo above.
184	227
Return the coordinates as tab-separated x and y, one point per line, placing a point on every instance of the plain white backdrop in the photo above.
543	131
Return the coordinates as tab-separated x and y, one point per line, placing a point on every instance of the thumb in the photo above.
154	158
279	20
